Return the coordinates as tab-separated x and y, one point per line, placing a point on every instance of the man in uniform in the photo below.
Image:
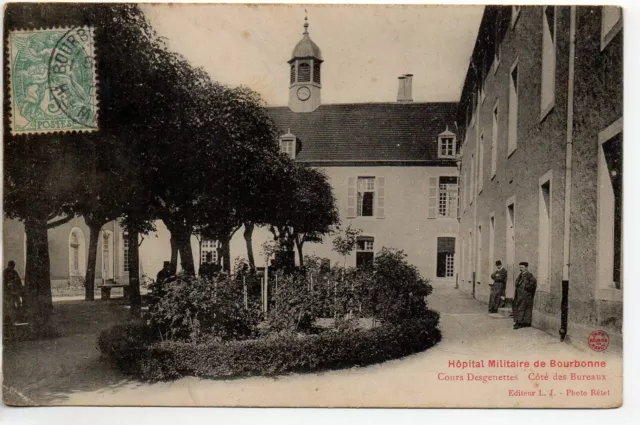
497	289
12	292
523	300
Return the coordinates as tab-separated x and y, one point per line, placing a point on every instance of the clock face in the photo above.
304	93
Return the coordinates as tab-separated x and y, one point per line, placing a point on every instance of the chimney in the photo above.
404	88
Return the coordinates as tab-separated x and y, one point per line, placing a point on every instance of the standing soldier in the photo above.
523	301
12	292
497	289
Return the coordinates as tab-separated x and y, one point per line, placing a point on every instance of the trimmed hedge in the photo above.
136	351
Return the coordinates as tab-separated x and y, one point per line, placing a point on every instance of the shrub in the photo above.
267	356
190	308
295	305
397	291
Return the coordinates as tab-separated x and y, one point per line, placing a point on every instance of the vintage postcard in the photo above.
312	205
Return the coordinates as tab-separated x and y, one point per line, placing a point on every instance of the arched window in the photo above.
316	72
75	253
293	73
77	249
304	73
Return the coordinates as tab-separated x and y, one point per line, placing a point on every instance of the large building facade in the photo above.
392	166
541	162
69	250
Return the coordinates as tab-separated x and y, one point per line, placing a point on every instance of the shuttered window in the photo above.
380	201
433	197
304	73
548	79
351	197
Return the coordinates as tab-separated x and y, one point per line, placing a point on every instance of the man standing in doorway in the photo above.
523	300
497	288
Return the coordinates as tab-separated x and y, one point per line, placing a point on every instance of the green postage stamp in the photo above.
53	80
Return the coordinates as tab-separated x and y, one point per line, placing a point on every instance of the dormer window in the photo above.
447	145
288	145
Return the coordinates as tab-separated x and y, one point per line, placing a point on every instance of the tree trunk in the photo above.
134	273
299	243
226	253
182	236
39	303
183	241
90	276
248	235
174	253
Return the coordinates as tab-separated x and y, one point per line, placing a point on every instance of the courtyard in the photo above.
68	370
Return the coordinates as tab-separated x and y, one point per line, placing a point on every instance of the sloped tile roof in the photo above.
368	131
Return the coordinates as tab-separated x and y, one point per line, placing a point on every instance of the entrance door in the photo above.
445	260
511	250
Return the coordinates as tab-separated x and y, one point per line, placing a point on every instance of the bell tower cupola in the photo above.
305	81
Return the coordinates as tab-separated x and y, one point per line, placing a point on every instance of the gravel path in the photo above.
67	370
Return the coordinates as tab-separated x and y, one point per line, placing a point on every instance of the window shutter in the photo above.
351	197
433	197
380	187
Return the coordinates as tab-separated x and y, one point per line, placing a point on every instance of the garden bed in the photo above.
135	350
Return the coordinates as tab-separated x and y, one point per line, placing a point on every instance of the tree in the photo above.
306	211
344	241
46	175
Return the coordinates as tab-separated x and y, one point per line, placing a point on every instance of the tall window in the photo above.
304	73
548	86
463	190
293	74
481	163
77	249
74	246
107	261
366	196
364	251
445	260
447	148
611	24
513	108
544	233
511	239
610	208
494	142
467	184
472	185
209	246
448	197
492	238
125	248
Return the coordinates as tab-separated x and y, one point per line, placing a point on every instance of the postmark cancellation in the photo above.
53	80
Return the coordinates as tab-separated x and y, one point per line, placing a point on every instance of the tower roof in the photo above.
306	48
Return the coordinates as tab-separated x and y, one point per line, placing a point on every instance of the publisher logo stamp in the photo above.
599	340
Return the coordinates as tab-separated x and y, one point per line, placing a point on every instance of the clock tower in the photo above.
304	78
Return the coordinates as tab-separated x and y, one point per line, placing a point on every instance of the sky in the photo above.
365	48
